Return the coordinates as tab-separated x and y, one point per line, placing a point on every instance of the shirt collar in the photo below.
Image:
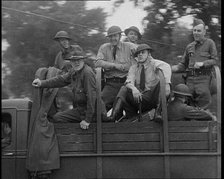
118	45
201	41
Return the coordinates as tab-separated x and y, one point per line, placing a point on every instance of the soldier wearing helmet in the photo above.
142	85
178	110
133	34
83	83
115	58
63	40
198	60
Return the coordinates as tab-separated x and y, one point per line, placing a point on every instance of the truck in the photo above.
146	149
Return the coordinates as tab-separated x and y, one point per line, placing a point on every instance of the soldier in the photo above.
83	82
198	59
63	40
115	58
133	34
178	110
142	86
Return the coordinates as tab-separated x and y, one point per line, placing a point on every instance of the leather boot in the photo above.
116	110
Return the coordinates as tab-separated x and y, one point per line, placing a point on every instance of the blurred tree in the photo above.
31	37
161	22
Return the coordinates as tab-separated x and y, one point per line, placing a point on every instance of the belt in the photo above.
198	72
116	80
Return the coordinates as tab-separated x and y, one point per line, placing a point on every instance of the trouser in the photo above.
199	87
149	101
109	93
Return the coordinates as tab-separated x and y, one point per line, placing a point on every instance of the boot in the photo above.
116	110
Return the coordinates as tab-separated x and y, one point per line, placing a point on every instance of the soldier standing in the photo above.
198	59
133	34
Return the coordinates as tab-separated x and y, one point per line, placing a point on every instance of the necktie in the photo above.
142	78
114	52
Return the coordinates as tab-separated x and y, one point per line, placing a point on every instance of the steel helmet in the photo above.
61	34
113	30
142	47
182	89
126	31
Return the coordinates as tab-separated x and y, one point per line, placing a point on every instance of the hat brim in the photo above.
136	53
126	31
119	32
73	58
57	38
183	94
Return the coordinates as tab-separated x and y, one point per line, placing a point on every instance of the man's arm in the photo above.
56	82
101	61
191	112
213	54
180	67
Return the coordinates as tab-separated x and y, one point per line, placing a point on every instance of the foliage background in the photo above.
31	44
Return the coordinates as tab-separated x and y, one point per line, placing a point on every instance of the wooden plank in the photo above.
188	123
189	145
72	128
189	129
130	130
76	147
131	137
188	150
131	146
75	137
138	125
188	137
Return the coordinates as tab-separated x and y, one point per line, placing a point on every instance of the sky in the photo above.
125	16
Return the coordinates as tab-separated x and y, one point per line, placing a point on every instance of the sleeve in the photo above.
130	82
213	55
180	67
166	69
101	59
57	82
191	112
56	61
90	90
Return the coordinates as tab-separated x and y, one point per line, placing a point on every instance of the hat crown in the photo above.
197	22
114	30
182	89
61	34
76	54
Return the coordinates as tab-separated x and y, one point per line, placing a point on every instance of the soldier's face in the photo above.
132	36
114	39
77	64
64	42
142	56
199	32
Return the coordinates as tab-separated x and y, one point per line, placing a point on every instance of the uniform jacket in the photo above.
83	84
179	111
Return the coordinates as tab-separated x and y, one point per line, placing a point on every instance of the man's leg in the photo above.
71	115
109	94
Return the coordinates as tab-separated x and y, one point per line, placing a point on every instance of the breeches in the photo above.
109	93
199	87
149	101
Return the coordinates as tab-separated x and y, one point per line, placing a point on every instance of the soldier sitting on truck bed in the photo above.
83	81
142	87
178	110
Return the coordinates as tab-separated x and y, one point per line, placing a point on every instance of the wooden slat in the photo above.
188	137
130	130
75	138
131	137
189	145
72	128
69	147
131	146
188	129
188	123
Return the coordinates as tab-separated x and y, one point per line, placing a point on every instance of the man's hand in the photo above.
174	68
84	124
198	64
36	83
137	95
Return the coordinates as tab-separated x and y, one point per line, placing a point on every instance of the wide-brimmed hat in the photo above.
126	31
142	47
76	55
113	30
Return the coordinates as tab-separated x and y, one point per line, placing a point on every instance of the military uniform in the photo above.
83	85
198	80
179	111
